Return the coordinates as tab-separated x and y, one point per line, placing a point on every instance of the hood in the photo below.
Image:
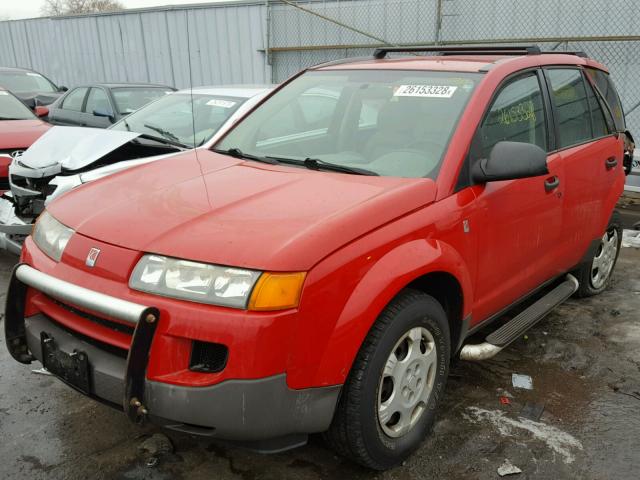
35	98
217	209
73	148
21	133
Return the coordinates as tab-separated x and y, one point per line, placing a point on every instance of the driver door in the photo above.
520	232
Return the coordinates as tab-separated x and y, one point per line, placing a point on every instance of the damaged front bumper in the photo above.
261	413
13	230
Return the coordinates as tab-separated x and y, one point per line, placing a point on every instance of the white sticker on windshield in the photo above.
433	91
216	102
3	93
31	74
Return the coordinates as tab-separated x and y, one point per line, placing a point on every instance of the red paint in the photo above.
361	240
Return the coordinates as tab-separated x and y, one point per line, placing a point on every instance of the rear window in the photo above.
128	100
13	109
608	91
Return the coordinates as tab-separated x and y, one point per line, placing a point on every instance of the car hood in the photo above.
20	133
37	98
73	148
217	209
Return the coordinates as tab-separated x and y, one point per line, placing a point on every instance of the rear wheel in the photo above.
389	401
594	275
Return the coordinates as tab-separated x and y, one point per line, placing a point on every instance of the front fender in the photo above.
377	287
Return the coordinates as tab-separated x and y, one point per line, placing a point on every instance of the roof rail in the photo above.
380	53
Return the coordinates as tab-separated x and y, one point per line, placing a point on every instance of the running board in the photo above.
515	327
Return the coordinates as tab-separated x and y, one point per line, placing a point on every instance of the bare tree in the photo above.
73	7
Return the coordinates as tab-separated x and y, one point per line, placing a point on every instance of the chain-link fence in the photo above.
307	32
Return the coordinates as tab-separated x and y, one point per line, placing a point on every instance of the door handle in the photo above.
551	183
611	162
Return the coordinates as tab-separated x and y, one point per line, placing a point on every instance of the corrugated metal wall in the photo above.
225	42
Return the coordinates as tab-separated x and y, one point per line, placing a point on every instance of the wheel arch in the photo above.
431	266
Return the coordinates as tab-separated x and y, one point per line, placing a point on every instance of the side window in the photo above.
310	114
74	100
97	100
608	90
601	127
572	107
317	108
516	115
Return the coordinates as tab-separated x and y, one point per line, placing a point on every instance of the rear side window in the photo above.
601	124
572	107
74	100
516	115
608	90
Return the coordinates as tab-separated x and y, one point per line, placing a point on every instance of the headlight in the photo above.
215	284
51	236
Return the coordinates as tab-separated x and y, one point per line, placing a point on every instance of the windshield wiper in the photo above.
163	132
317	164
162	140
12	118
237	153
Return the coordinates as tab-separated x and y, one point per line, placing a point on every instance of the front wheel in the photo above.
595	274
389	401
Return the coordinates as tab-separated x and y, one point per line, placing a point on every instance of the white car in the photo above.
66	157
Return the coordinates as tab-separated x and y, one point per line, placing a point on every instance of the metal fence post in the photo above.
438	22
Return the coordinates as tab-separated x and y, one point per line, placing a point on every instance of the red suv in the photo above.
318	269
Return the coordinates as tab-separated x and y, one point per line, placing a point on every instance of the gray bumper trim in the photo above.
82	297
236	410
245	410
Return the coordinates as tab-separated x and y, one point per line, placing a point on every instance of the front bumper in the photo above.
250	410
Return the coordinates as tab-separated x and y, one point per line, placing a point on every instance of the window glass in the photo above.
98	100
172	117
409	118
128	100
570	97
598	120
608	90
74	100
516	115
26	82
13	109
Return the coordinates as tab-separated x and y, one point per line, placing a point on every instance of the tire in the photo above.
414	330
594	275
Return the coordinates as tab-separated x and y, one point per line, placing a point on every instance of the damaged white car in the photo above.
66	157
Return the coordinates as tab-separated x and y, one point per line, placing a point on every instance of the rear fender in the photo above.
381	283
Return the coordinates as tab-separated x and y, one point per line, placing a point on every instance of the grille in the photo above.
118	327
208	357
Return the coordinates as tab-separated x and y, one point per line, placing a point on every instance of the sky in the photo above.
14	9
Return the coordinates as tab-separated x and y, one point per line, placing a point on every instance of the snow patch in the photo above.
560	442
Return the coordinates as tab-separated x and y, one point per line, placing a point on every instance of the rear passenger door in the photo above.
591	155
519	234
70	110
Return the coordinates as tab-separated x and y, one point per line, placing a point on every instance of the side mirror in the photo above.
62	88
105	113
510	161
41	111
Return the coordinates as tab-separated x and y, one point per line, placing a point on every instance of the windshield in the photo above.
26	82
129	100
13	109
171	117
390	122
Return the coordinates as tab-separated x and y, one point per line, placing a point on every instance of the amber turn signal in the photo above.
277	291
